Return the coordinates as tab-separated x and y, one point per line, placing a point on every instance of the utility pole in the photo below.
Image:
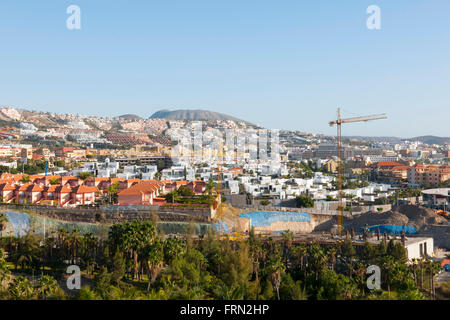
338	122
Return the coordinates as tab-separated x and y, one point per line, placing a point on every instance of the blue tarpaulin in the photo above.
265	219
390	229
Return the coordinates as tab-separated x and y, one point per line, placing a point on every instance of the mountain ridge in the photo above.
193	114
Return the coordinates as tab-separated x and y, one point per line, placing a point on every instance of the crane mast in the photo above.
338	122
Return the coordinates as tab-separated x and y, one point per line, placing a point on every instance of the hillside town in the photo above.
229	175
46	157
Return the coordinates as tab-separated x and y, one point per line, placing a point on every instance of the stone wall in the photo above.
440	234
116	214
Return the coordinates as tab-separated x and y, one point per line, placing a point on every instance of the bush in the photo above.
303	201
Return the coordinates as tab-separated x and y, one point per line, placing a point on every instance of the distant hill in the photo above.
193	115
375	139
130	116
423	139
430	139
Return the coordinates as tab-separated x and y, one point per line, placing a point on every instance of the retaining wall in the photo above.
116	214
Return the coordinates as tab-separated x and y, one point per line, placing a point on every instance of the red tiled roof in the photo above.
142	187
84	189
62	189
51	188
23	187
67	178
400	168
34	188
387	164
6	187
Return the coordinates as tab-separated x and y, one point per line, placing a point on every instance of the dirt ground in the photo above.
230	216
410	215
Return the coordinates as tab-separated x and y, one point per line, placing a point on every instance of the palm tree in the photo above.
433	268
332	253
4	270
388	265
154	257
300	252
133	237
90	246
360	272
112	191
3	221
74	243
276	268
422	265
317	258
21	289
47	286
413	267
287	237
27	254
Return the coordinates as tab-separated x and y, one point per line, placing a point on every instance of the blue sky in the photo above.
280	64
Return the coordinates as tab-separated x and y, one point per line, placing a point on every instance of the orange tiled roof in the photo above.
387	164
102	179
36	176
67	178
51	188
141	188
62	189
84	189
23	187
17	177
6	187
34	188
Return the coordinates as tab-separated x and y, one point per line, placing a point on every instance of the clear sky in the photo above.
280	64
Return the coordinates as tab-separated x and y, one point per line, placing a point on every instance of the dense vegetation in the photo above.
31	167
138	263
186	196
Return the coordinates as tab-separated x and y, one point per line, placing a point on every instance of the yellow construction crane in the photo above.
338	122
219	187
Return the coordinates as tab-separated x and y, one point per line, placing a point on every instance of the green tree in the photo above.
3	221
48	287
54	181
4	270
275	269
119	267
84	175
21	289
102	283
291	290
112	191
153	256
303	201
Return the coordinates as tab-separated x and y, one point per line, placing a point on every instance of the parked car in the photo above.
447	267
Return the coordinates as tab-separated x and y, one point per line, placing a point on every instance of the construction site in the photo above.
420	229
